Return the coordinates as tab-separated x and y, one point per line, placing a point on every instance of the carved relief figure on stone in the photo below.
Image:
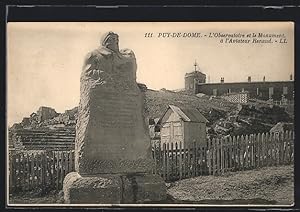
98	64
111	41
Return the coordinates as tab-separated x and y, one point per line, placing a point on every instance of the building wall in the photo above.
171	128
192	78
258	90
194	132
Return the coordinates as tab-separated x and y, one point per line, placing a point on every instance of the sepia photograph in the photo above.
150	114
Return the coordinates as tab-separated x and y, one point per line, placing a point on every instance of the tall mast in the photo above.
195	64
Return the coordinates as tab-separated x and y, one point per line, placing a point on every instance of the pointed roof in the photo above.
188	114
282	126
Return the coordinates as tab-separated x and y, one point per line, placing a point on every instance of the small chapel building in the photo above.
185	125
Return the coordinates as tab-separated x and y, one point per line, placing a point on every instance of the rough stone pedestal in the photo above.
113	159
113	189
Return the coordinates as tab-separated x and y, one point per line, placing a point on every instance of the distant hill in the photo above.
156	103
225	118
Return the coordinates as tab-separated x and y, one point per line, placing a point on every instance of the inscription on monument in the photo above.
117	111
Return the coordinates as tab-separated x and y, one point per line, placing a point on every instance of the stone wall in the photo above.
43	139
257	90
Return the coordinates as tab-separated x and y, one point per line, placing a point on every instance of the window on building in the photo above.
285	90
215	91
177	129
229	90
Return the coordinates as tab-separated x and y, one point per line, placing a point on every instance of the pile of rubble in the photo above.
250	118
48	118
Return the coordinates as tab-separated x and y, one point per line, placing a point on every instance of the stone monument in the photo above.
113	160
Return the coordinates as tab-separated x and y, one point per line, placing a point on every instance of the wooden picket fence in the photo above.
217	156
46	170
34	171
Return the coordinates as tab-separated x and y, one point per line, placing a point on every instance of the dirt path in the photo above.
271	185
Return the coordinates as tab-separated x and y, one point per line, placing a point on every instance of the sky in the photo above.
44	60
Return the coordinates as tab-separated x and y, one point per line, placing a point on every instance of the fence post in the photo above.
253	152
271	147
194	166
57	170
234	153
227	154
222	148
247	152
47	174
164	162
239	151
180	160
263	148
184	169
18	171
243	148
61	169
286	137
214	156
188	159
200	160
39	168
176	161
154	157
219	156
290	147
277	138
22	172
160	158
27	175
43	171
280	145
209	157
259	148
273	160
36	182
230	148
171	161
11	171
168	161
269	141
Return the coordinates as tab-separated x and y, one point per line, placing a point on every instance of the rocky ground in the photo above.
225	118
270	185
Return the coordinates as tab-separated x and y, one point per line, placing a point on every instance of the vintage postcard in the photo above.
150	114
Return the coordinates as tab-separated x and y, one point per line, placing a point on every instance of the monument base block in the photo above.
113	188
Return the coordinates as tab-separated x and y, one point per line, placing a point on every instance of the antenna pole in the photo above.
195	64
